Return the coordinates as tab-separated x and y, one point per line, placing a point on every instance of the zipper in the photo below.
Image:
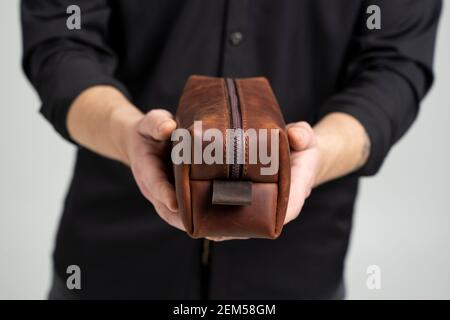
235	168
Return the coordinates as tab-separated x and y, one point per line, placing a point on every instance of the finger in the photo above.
220	239
171	218
299	139
151	173
301	184
293	209
166	195
163	191
158	124
300	136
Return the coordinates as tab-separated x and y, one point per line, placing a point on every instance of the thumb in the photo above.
300	135
158	124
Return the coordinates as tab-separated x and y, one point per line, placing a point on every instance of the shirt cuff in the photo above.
66	82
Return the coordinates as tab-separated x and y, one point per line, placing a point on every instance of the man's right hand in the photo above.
148	143
103	120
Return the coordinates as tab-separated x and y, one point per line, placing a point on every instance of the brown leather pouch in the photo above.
236	196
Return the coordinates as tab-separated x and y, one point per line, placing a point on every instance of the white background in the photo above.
402	219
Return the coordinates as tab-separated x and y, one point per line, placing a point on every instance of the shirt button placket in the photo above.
236	38
234	48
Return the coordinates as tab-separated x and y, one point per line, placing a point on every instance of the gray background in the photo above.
401	222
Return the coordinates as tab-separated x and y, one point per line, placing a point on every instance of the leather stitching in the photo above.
226	114
244	123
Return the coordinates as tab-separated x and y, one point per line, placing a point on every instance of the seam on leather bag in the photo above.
226	116
243	106
192	209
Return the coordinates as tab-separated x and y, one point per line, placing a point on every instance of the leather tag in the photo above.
232	192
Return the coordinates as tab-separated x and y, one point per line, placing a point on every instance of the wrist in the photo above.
123	123
325	158
342	143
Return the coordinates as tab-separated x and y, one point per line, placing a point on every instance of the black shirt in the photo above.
319	56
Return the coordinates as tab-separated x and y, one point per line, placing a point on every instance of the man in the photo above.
349	88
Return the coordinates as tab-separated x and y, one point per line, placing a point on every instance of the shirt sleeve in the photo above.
388	72
61	63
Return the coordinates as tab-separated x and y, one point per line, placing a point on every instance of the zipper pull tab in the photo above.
232	192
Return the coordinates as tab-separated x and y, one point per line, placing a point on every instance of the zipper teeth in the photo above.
235	124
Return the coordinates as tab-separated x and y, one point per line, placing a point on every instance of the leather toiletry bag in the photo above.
232	171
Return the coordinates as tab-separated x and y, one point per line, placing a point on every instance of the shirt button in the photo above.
236	38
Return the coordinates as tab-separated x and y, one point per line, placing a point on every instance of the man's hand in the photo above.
336	146
148	143
103	120
305	163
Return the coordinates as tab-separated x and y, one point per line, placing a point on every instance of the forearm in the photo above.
99	118
343	144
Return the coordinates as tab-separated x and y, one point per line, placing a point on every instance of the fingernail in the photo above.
163	125
300	134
